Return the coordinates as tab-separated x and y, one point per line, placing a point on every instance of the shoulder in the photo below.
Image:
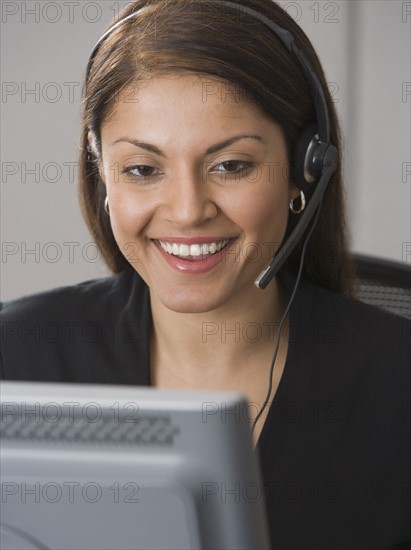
355	359
350	344
343	403
89	298
360	324
86	332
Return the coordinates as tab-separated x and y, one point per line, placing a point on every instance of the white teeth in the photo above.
185	250
195	250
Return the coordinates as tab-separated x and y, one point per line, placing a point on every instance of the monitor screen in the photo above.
120	467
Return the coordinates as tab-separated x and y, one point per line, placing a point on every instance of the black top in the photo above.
335	447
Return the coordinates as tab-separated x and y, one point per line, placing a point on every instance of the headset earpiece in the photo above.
307	159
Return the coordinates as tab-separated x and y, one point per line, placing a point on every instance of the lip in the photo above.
197	266
192	240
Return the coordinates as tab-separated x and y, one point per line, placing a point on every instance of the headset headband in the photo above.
317	92
319	158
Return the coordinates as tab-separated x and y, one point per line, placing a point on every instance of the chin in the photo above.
197	299
191	300
189	304
189	308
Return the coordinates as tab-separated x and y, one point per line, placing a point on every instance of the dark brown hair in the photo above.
202	37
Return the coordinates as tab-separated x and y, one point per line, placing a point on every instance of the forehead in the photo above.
204	93
179	107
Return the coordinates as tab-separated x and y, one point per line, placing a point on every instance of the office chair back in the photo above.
384	283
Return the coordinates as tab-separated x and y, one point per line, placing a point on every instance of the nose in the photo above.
188	201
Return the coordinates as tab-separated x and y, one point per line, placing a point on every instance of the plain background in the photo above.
363	45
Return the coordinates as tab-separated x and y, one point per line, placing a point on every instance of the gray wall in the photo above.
364	46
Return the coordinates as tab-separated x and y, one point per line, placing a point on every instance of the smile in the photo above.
193	250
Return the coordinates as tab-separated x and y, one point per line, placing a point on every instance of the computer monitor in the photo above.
121	467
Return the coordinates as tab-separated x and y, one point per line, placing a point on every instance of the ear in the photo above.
92	144
294	192
93	150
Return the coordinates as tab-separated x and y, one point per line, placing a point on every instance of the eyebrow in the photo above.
212	149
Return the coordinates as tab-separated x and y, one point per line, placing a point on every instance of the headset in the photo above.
316	159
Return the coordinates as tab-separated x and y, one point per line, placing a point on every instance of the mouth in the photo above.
194	256
194	251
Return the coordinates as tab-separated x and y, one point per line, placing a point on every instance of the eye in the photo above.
232	166
141	171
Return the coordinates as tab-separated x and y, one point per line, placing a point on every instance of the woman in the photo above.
194	117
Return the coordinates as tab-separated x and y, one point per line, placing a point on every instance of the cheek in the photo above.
128	214
129	217
127	208
264	211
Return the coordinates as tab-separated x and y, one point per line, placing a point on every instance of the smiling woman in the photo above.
200	39
209	147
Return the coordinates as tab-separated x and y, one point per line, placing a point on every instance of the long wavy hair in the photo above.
197	36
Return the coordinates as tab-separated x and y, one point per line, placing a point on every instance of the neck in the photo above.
208	349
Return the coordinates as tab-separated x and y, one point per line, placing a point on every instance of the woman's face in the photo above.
198	192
